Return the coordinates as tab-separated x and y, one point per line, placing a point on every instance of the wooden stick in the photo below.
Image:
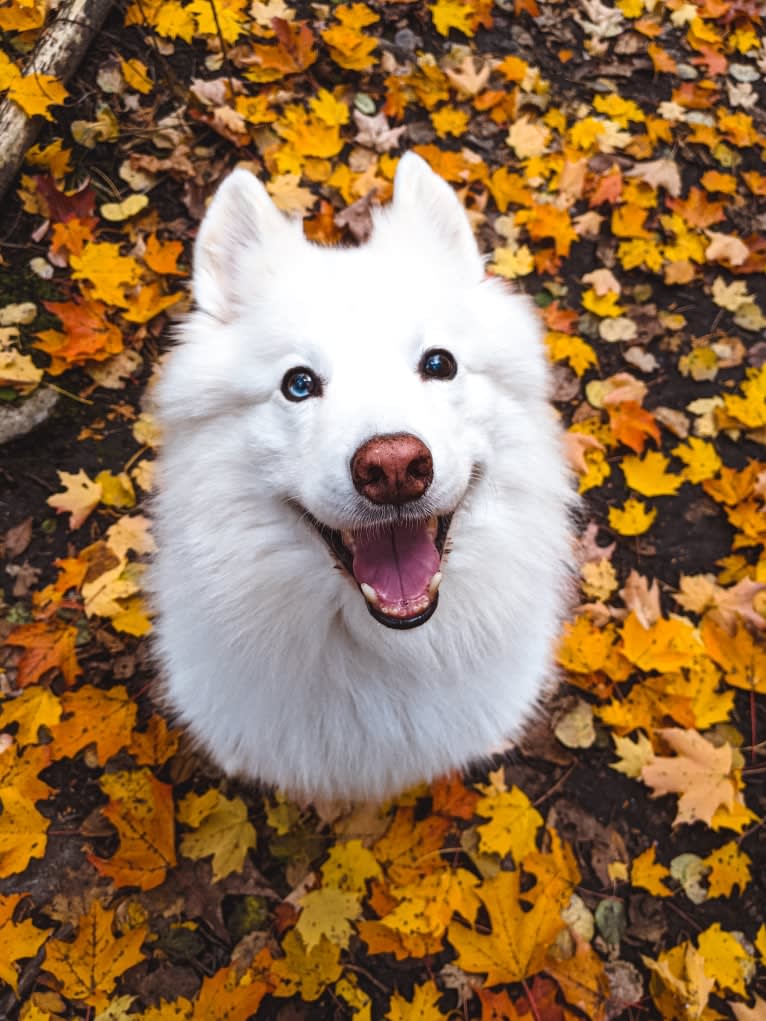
59	51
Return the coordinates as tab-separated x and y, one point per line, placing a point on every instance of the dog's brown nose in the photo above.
392	469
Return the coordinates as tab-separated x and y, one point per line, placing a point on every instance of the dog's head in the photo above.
373	390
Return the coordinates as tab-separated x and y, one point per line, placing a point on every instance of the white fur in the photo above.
270	655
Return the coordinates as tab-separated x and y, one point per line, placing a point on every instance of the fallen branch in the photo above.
59	51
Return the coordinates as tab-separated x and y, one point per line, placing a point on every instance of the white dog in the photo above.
363	509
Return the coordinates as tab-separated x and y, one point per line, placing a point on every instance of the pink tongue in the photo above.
397	562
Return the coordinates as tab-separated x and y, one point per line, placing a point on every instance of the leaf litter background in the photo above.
612	159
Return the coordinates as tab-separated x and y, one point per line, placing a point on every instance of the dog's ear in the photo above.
240	216
421	196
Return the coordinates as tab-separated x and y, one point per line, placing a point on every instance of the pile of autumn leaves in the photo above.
482	874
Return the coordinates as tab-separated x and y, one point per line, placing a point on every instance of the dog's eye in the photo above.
438	364
300	383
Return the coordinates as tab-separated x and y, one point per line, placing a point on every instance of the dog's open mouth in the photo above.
396	566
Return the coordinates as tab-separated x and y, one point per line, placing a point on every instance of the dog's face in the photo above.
372	391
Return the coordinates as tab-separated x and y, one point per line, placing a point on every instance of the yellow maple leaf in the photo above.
750	407
228	18
622	111
23	15
640	252
132	617
648	476
107	272
349	866
303	971
727	961
698	685
329	109
349	47
602	304
633	755
221	829
585	647
426	908
700	457
729	867
569	348
35	707
54	156
597	468
680	985
449	120
512	261
17	940
80	497
512	823
649	874
633	518
116	490
449	14
136	75
422	1006
88	968
149	302
35	93
665	645
23	831
327	913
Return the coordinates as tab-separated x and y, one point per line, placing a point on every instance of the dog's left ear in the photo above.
422	197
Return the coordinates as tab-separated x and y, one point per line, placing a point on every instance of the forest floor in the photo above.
611	866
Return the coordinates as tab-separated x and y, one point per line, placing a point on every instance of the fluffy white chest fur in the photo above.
362	515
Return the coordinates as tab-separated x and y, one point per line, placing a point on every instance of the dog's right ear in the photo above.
241	216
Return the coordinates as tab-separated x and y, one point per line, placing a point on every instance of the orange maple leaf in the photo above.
666	645
546	221
87	334
697	209
741	656
631	424
92	716
518	944
88	968
48	645
141	809
294	52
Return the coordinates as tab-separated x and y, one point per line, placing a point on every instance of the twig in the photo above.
58	53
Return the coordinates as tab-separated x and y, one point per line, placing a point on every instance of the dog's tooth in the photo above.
370	594
434	584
